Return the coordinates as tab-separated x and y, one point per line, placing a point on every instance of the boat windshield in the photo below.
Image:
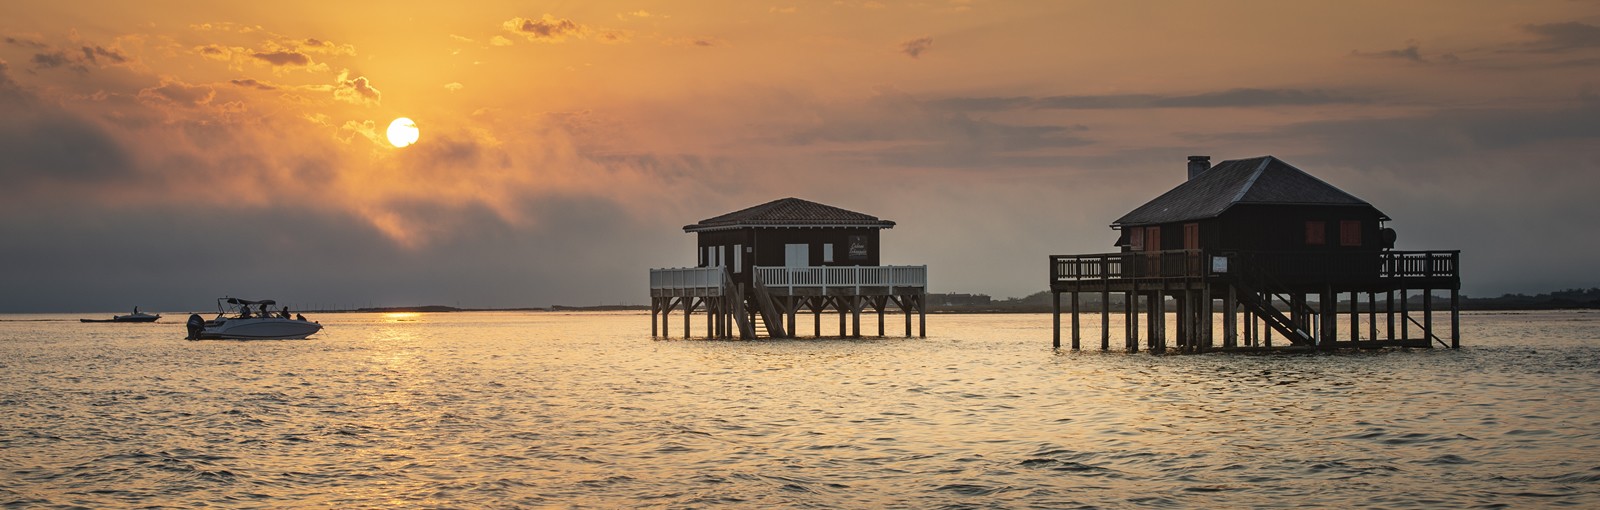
245	308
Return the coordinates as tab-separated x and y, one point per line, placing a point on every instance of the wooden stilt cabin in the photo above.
760	267
1257	239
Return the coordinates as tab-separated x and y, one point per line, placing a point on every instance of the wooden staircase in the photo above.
757	316
1252	300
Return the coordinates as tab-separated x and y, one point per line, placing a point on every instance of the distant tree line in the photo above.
1558	300
1040	302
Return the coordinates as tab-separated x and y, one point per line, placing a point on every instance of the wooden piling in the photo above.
1074	321
1104	318
1055	320
1455	318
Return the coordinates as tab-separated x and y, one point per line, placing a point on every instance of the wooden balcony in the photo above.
843	280
1311	270
688	281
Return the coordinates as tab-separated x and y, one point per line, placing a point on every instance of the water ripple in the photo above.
580	410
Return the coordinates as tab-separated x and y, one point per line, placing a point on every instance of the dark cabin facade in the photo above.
1266	208
758	267
788	233
1261	236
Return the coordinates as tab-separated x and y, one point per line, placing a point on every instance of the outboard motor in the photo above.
196	325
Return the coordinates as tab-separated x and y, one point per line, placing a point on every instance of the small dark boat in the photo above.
136	316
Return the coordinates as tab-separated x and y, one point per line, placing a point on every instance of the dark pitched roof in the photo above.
1263	180
789	212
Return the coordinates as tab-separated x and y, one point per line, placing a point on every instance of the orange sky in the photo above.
564	143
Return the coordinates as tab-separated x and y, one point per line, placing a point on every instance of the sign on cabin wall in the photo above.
858	247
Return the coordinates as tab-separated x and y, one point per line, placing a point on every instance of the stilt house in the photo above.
758	267
1260	236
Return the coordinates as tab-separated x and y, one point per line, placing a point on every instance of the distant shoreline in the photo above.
447	309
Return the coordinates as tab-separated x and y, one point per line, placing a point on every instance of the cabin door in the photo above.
796	255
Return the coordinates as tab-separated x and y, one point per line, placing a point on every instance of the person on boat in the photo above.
285	313
244	312
299	317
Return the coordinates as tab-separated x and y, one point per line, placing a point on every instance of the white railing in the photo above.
687	278
855	277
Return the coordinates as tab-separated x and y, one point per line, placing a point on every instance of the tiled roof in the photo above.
789	212
1263	180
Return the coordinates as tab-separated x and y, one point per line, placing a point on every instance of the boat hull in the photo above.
258	329
126	318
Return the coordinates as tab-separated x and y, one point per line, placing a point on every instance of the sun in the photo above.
403	132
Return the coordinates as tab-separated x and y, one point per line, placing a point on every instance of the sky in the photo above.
164	154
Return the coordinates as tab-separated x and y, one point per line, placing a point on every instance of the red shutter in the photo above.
1316	233
1191	236
1350	233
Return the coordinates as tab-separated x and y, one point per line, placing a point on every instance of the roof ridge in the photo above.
1265	160
790	212
1258	180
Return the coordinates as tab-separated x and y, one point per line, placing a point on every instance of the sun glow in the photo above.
403	132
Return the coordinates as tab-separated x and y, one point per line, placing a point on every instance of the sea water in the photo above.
586	410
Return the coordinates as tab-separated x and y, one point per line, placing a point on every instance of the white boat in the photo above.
236	320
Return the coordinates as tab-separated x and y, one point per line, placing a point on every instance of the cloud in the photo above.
283	58
254	84
57	59
915	47
176	92
1411	53
1231	98
280	52
500	40
95	54
48	148
1251	97
9	89
313	45
78	59
356	90
895	130
461	38
454	86
1561	37
699	42
214	52
1416	138
26	43
612	36
545	29
365	129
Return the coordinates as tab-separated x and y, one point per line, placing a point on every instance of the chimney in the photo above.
1198	165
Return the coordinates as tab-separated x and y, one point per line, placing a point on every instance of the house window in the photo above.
722	256
738	258
1350	233
1316	233
1191	236
827	252
1136	238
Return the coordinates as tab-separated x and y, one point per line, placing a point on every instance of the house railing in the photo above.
687	278
1288	266
853	277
